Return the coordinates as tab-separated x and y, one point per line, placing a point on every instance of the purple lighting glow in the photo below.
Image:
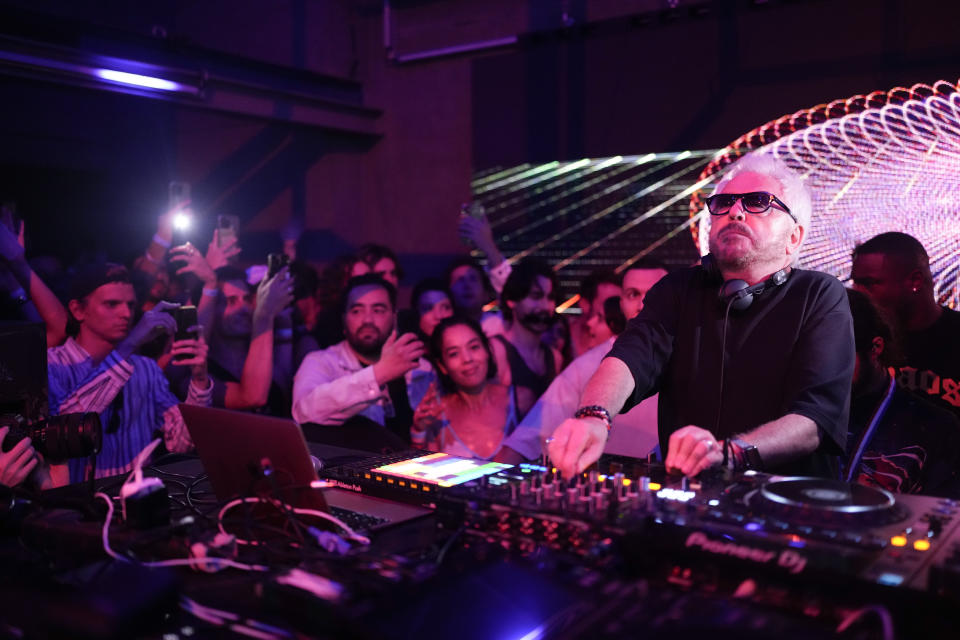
137	80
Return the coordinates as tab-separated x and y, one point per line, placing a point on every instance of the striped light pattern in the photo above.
594	212
882	162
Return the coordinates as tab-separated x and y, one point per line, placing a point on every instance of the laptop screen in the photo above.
248	454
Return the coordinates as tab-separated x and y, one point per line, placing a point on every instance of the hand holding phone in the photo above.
275	262
227	228
187	329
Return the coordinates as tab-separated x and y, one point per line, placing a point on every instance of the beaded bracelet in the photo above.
595	411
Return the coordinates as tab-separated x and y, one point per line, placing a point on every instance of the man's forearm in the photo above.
257	369
609	387
283	352
50	308
784	439
319	399
206	311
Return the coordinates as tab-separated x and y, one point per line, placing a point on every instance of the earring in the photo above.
916	290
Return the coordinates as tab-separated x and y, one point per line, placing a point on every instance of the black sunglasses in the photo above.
755	202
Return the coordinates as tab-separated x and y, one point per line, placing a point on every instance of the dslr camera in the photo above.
23	399
58	438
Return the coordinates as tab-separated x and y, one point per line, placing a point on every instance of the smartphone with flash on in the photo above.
179	206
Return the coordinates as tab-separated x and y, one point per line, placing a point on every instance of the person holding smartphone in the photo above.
373	379
469	414
97	369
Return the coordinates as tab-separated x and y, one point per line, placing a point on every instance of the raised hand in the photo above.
165	224
218	256
429	413
192	353
194	262
273	296
477	232
397	356
153	323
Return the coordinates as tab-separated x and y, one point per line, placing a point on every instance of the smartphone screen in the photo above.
275	262
186	317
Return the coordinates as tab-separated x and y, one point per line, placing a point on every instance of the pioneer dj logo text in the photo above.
787	558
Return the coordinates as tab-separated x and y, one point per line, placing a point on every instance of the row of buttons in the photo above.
774	525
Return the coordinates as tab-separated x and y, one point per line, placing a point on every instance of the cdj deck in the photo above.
752	524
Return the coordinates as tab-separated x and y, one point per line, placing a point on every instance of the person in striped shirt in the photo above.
97	370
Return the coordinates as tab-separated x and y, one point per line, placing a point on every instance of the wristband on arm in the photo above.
595	411
160	241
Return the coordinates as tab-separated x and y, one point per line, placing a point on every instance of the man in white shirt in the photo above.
372	373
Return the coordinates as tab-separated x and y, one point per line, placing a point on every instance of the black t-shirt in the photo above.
791	351
932	362
914	448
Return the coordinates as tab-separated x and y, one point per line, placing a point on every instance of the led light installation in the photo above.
881	162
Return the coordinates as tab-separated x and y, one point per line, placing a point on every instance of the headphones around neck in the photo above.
737	293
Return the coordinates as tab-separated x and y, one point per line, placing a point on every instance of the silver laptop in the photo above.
249	454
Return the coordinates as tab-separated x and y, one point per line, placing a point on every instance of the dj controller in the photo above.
500	551
788	530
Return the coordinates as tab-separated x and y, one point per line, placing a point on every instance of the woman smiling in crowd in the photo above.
471	414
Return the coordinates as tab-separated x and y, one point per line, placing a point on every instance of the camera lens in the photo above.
73	435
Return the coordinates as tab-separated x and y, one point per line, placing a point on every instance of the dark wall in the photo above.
94	166
698	80
88	170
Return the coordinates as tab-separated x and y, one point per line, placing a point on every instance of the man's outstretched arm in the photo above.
578	442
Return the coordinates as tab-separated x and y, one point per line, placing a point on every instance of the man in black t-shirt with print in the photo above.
894	270
897	440
749	378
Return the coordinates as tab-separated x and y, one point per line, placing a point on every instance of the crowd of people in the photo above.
743	360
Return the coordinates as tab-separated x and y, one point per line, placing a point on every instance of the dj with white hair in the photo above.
752	356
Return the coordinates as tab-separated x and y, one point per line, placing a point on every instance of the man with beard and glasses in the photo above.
373	374
752	357
528	303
